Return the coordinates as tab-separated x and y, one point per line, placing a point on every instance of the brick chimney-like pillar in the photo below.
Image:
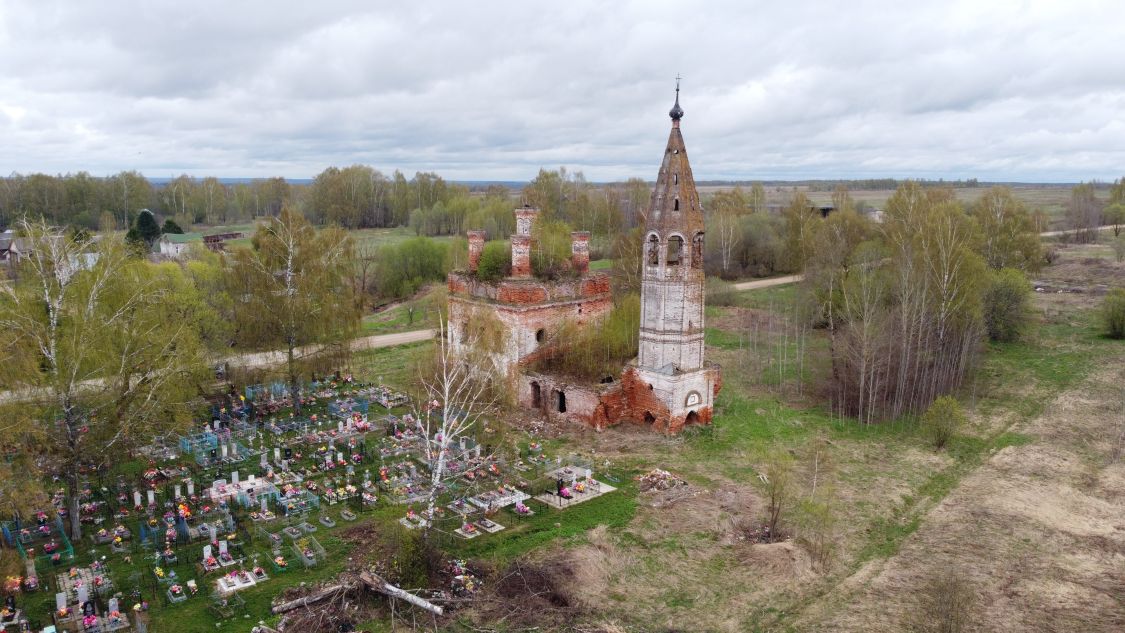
476	247
521	255
525	219
580	251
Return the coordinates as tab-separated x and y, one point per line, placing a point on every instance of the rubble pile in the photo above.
659	480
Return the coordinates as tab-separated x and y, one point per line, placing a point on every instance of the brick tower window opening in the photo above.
675	179
536	395
692	418
540	334
676	204
650	419
653	250
697	251
560	401
675	250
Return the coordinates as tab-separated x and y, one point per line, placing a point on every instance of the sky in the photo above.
992	89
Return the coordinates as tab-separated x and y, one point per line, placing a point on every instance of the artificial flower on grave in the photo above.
521	508
183	511
56	557
150	474
115	617
580	486
73	573
281	562
50	547
99	581
159	571
63	612
469	528
117	540
211	561
170	534
176	590
258	571
103	533
31	583
44	530
12	584
41	516
153	522
120	530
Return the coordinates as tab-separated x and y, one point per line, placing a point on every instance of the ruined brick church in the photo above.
669	384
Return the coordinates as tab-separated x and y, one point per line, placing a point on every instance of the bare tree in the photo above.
457	396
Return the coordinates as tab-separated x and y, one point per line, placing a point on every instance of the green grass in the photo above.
392	366
601	264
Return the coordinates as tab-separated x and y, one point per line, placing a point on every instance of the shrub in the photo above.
495	261
1007	305
941	421
170	226
1113	313
720	293
945	604
1119	248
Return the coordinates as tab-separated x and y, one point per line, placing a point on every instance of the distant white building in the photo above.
173	245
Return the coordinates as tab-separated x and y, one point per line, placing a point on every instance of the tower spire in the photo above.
677	112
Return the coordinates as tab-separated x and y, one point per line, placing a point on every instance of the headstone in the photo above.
151	497
83	594
477	449
340	427
191	487
250	480
224	449
60	601
263	461
136	497
288	453
178	495
207	550
276	454
339	456
464	442
113	605
264	502
234	477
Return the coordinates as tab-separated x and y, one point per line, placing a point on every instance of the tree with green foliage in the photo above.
495	261
942	420
170	226
293	291
1009	236
1084	212
757	198
800	223
1113	313
147	228
109	351
1007	305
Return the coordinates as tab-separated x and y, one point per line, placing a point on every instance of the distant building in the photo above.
13	248
173	245
215	242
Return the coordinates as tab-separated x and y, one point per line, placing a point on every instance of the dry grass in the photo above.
1039	529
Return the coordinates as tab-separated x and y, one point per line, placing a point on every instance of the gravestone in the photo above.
151	497
191	487
263	501
234	477
136	498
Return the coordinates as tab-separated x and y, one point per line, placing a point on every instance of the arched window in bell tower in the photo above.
697	251
675	250
653	251
676	204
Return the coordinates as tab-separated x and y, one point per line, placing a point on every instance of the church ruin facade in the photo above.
670	384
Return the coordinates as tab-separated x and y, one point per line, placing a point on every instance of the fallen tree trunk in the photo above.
376	583
313	598
372	582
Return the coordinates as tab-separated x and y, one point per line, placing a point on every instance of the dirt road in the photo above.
277	357
758	284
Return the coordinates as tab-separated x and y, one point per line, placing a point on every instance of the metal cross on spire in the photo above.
677	112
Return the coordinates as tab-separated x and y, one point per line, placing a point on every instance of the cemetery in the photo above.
200	531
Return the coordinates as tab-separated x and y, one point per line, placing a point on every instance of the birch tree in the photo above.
457	391
293	290
109	348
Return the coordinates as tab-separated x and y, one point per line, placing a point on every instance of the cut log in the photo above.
376	583
313	598
372	582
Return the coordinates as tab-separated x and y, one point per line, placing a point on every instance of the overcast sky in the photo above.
1031	91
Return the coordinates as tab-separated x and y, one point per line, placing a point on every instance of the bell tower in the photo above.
670	359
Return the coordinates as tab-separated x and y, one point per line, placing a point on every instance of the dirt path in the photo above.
767	283
1038	531
261	359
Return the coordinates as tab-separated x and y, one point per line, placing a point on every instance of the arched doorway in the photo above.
536	395
692	418
650	419
562	402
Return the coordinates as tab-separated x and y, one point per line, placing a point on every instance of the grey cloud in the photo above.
1001	90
